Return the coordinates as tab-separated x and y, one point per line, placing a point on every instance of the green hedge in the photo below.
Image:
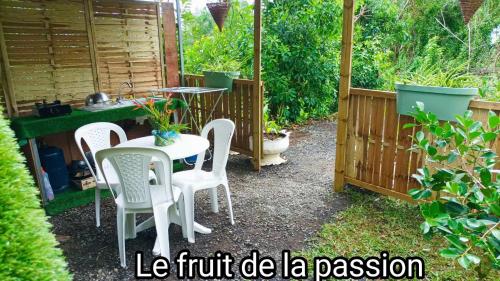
27	247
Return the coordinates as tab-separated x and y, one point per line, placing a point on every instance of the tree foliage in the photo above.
394	40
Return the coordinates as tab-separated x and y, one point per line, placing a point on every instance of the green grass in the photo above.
373	224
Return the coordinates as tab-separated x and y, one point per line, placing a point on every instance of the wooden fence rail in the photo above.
377	156
237	106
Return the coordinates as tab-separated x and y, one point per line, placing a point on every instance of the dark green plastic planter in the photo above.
217	79
442	101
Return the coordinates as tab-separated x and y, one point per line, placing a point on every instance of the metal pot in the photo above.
97	98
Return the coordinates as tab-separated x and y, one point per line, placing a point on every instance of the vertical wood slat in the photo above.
351	136
377	128
389	140
386	133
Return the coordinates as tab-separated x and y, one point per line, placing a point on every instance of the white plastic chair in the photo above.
97	136
194	180
139	195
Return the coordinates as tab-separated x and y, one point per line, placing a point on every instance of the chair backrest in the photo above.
223	133
132	165
97	136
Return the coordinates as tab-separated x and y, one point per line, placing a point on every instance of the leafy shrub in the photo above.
27	248
301	50
459	180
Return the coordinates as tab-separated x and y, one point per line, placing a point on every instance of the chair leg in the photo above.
162	222
182	214
120	225
97	207
213	199
130	226
189	213
229	204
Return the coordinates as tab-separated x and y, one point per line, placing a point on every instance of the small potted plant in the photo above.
276	141
164	131
220	74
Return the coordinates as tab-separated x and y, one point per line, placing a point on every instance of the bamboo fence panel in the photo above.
377	156
236	106
66	50
47	51
128	47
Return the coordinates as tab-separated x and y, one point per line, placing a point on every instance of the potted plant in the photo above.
442	93
220	74
276	141
164	131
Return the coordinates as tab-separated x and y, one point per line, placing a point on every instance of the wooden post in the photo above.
344	88
171	54
257	94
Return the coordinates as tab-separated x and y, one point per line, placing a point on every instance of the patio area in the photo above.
281	207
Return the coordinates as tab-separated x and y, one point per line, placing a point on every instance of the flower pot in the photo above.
219	12
442	101
273	148
164	138
219	79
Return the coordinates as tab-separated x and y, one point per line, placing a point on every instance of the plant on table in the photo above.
459	195
164	131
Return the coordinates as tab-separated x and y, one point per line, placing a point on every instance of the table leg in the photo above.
38	168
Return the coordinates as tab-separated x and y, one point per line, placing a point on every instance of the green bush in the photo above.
27	247
459	170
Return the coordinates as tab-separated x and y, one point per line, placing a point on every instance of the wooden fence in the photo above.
237	106
377	156
66	50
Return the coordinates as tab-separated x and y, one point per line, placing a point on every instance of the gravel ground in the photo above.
279	208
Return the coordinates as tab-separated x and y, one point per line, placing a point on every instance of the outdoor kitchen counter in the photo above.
30	127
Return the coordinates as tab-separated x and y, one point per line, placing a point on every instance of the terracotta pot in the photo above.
219	11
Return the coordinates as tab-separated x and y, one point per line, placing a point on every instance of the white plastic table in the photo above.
187	145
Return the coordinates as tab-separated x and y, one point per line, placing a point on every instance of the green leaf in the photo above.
450	253
485	176
488	136
431	150
473	258
419	194
419	136
473	224
464	262
420	106
409	125
456	242
425	227
493	120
